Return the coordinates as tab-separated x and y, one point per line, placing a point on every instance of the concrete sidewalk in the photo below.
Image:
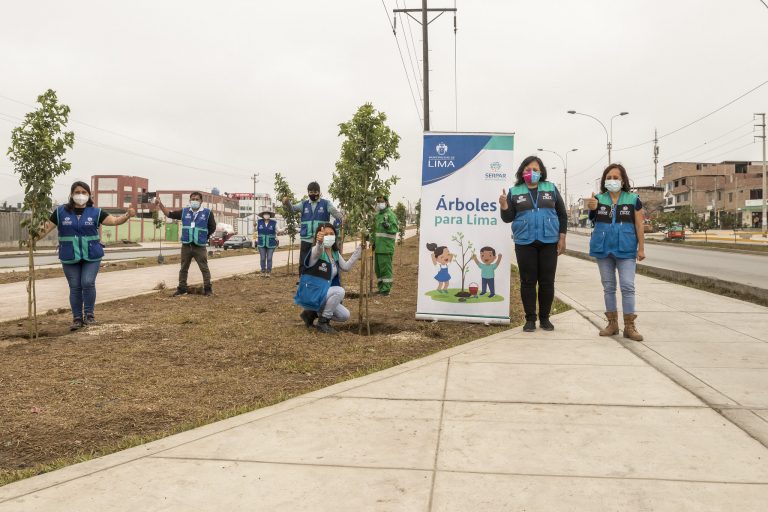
561	421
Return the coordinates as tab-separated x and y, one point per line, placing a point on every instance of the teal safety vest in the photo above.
535	219
79	236
267	232
194	226
614	231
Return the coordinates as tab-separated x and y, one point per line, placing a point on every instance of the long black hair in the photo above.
624	177
335	246
437	250
71	205
519	175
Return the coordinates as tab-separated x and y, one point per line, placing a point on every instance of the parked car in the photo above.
219	237
676	232
238	242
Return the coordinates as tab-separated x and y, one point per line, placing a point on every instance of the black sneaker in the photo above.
77	323
545	324
530	326
308	317
89	319
180	291
324	325
207	292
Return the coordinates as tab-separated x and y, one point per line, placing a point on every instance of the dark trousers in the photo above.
489	284
537	263
306	247
198	253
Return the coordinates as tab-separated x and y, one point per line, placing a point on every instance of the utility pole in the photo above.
765	192
424	21
655	157
255	179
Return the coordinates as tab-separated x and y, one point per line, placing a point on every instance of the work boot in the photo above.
324	325
530	326
207	291
545	324
180	291
308	317
77	323
630	331
613	324
89	319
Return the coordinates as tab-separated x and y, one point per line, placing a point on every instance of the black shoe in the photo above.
89	319
545	324
180	291
530	326
77	323
324	325
308	317
208	292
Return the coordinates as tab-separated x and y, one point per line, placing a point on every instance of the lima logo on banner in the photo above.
465	249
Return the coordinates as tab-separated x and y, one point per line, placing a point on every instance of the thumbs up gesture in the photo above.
503	200
592	202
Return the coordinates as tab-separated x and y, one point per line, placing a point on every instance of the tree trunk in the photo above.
30	278
361	298
370	278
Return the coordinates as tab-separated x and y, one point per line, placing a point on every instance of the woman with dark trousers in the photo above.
539	223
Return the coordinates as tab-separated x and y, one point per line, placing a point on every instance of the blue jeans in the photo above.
81	277
489	284
626	268
266	259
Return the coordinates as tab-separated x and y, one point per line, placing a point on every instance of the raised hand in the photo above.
592	202
503	200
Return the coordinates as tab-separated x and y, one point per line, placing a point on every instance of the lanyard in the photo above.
534	201
194	218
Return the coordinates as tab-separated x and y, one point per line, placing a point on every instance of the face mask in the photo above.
381	206
613	185
314	197
329	240
194	204
80	199
531	176
266	216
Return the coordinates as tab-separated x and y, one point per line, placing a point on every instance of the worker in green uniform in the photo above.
384	237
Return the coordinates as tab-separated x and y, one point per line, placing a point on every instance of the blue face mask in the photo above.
329	240
194	205
613	185
531	176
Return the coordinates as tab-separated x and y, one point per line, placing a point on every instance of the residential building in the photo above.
225	210
116	193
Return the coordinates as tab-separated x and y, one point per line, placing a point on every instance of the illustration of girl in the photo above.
441	256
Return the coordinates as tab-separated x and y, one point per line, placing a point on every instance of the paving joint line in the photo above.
430	504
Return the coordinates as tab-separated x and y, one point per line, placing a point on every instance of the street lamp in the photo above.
608	136
565	170
409	207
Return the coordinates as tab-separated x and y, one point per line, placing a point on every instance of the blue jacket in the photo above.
267	231
614	234
535	220
197	234
79	237
310	219
315	282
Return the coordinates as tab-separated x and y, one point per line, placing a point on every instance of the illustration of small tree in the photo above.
37	152
368	147
282	190
466	248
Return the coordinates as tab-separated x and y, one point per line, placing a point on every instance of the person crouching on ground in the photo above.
323	266
198	225
80	249
267	241
617	243
539	220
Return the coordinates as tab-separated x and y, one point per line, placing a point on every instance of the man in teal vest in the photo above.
384	237
314	212
197	225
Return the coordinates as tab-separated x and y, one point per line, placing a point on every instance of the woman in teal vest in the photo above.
266	230
80	249
617	244
539	223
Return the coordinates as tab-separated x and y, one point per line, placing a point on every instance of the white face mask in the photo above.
381	206
194	205
613	185
266	216
80	199
329	240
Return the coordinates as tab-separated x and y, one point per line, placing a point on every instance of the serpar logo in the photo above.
521	199
441	149
495	173
323	267
495	166
90	219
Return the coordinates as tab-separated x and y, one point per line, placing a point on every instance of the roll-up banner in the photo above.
465	249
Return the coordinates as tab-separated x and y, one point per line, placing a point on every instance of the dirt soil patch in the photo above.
156	365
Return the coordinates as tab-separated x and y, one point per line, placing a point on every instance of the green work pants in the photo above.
383	267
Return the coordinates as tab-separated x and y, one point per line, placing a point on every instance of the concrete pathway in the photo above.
561	421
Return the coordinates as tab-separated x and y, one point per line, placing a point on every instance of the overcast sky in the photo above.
235	87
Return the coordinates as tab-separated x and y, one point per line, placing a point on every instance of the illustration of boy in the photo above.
488	269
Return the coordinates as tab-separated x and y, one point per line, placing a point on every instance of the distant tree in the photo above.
418	216
401	214
368	148
283	190
37	152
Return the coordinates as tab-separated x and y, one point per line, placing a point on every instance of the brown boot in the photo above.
613	324
629	328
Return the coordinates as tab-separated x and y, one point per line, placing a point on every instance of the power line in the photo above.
765	4
408	48
455	71
590	167
699	119
413	43
709	141
134	139
405	68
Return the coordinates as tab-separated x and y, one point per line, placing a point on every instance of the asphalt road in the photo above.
750	269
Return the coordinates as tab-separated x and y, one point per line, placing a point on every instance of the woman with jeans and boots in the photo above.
617	243
80	249
266	229
324	260
539	223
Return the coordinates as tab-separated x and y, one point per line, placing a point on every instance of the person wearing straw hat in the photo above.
267	240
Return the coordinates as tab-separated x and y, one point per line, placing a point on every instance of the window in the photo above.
756	193
698	167
741	168
128	198
108	200
730	197
127	188
677	183
107	183
719	195
683	181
